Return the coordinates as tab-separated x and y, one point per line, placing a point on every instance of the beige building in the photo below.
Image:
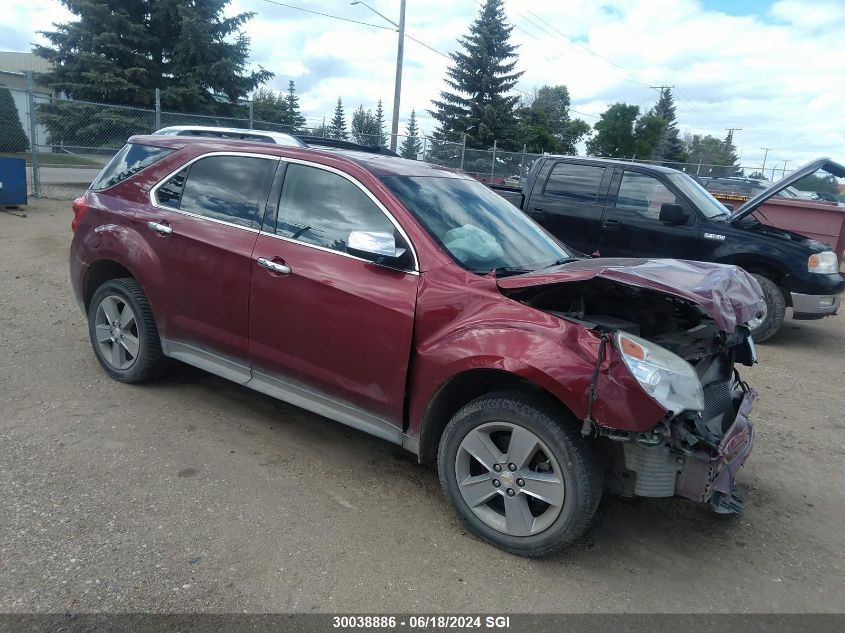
13	69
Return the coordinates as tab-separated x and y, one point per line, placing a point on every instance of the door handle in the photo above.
275	267
163	229
611	224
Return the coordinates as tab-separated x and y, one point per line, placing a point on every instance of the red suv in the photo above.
413	303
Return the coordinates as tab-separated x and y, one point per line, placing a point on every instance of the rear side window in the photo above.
643	194
577	183
321	208
229	188
129	160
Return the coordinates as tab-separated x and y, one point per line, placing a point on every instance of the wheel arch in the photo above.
98	273
771	269
463	388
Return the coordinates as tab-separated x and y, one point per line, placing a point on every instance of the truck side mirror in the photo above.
672	213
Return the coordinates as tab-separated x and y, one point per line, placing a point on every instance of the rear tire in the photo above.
775	310
548	500
123	332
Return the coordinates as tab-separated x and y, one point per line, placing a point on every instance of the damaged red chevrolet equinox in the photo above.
411	302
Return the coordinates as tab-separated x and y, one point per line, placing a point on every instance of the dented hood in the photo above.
727	293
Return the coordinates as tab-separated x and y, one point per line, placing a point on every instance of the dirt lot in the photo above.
195	494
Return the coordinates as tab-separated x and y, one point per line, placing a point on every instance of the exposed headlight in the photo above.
823	263
666	377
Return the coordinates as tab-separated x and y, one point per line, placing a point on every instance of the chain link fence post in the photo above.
33	136
493	165
251	119
522	164
158	111
463	149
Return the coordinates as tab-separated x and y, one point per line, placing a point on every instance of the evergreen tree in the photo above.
12	136
614	130
337	127
363	127
670	149
481	78
411	146
379	125
731	159
294	117
269	106
710	152
120	51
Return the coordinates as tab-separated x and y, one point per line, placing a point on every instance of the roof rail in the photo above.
341	144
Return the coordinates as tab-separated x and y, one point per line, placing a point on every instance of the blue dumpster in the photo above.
12	182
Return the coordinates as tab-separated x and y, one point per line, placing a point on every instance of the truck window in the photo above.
577	183
643	194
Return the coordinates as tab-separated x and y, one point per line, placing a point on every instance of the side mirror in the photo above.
671	213
373	245
729	207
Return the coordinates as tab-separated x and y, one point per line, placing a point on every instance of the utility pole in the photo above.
400	52
784	168
765	156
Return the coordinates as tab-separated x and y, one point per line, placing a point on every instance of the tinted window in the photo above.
321	208
643	194
129	160
479	229
578	183
170	193
230	188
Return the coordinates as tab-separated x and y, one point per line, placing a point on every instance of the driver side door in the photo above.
331	331
631	225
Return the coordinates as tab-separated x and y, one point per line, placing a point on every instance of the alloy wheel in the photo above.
509	478
117	332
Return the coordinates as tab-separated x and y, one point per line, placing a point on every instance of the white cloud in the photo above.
776	74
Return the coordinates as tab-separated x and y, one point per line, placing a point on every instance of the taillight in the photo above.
80	208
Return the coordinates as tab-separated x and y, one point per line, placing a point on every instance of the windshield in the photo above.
480	230
699	196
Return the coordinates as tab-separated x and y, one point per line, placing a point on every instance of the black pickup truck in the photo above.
621	209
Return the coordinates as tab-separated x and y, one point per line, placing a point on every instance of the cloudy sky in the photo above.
772	68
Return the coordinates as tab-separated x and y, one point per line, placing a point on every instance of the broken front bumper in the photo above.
704	477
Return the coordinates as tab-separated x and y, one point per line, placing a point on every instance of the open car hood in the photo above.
790	179
727	293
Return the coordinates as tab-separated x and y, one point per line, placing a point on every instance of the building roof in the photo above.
11	61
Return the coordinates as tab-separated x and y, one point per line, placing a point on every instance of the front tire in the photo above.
123	332
519	474
775	310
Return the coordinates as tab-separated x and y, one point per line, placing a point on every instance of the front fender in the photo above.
563	366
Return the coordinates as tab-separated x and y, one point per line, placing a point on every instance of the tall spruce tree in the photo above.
411	146
670	149
379	123
294	116
481	78
120	51
12	136
337	127
731	159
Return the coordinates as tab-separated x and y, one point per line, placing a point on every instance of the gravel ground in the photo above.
193	494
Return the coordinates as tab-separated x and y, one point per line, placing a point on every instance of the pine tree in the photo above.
120	51
379	124
411	146
337	127
294	117
481	78
670	149
363	125
12	136
731	159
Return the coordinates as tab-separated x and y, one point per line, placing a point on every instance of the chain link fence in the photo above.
66	142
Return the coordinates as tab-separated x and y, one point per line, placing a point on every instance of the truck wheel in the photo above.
519	474
775	310
123	332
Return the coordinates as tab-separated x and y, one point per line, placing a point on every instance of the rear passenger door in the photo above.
568	199
632	228
202	225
